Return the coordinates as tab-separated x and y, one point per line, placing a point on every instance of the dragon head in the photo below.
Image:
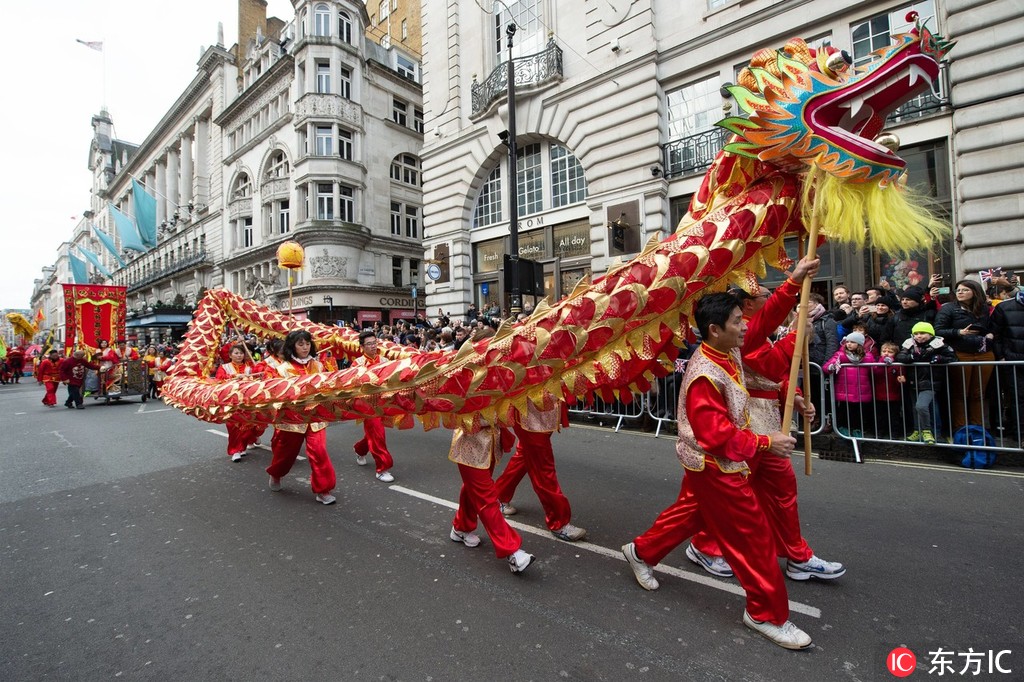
807	107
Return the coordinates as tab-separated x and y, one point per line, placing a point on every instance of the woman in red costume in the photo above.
299	355
240	436
161	368
48	374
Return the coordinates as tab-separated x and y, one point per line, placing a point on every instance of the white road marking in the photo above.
17	413
946	468
616	554
162	409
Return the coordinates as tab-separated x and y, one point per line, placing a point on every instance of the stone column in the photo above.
158	189
173	198
185	179
202	162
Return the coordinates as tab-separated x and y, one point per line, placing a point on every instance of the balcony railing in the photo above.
925	103
195	260
530	73
695	153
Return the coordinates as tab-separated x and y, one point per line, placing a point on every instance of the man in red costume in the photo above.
766	369
48	374
72	373
115	355
16	363
374	440
535	456
716	492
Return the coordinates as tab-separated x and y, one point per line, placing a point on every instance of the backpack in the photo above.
972	434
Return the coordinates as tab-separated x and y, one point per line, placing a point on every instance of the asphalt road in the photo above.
131	547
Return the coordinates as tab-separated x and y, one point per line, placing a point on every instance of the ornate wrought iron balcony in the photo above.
693	154
531	73
926	103
195	260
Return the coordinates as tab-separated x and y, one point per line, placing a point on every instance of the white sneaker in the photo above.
644	573
275	484
507	509
715	565
814	568
326	498
569	533
255	445
787	635
385	476
468	538
361	460
520	561
237	457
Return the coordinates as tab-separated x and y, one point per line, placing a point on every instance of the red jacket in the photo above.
48	371
72	370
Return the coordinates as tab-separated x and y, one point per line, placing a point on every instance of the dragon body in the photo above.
619	332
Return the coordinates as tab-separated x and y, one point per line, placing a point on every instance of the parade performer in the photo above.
112	359
299	355
374	439
72	373
16	363
717	477
150	360
535	456
161	367
240	436
772	478
48	374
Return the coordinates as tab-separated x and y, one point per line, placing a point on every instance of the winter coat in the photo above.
923	375
881	328
951	318
1008	326
825	342
905	319
853	383
887	385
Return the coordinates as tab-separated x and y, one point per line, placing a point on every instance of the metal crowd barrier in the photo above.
616	411
989	395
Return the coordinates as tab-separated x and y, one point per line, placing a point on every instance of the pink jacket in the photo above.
853	384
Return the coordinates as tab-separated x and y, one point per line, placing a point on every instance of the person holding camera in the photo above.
966	326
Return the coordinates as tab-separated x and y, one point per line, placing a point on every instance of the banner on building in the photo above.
93	312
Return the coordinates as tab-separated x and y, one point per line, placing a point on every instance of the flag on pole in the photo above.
145	213
3	348
94	259
108	242
78	272
40	318
126	230
91	44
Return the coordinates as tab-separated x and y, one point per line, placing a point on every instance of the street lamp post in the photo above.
515	296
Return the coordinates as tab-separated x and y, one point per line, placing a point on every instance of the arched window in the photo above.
277	166
321	20
488	203
405	168
345	27
242	188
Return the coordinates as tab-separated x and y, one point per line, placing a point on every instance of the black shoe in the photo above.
79	407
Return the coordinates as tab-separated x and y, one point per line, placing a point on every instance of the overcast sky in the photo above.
54	85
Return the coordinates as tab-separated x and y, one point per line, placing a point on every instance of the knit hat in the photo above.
914	293
856	337
925	327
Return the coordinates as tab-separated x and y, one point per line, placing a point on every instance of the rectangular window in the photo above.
874	33
325	201
323	77
406	67
346	83
396	219
530	190
284	218
347	210
345	144
529	39
405	30
396	271
568	183
488	203
247	232
385	10
694	108
417	120
399	112
412	222
414	272
324	141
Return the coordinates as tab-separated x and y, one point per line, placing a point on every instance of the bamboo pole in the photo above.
801	325
807	384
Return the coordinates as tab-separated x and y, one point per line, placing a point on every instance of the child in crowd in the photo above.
852	385
925	349
889	380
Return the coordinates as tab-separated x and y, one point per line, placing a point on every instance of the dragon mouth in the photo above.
853	116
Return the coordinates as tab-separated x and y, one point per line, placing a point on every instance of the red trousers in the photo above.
51	392
478	498
774	484
535	457
728	507
241	436
285	446
375	443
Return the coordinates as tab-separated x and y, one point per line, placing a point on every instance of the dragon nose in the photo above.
889	140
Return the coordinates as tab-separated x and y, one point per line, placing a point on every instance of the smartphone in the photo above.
976	328
943	291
